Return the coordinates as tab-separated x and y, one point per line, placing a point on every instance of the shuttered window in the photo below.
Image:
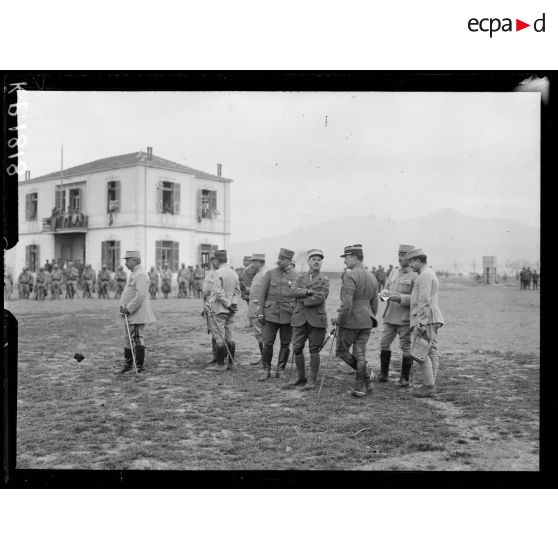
31	202
113	196
110	254
207	204
60	197
166	251
32	257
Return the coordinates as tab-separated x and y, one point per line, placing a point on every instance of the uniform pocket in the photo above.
405	287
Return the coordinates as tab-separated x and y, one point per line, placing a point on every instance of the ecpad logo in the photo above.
493	25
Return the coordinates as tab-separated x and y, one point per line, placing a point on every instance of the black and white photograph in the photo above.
278	280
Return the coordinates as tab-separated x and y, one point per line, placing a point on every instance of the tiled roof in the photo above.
128	160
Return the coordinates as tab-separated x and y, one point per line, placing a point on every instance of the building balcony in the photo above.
66	224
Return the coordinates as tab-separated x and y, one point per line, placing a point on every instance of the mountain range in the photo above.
453	241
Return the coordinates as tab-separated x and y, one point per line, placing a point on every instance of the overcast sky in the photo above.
300	158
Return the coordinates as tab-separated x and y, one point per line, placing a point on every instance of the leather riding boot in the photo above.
406	365
258	362
232	350
385	357
360	379
314	367
214	351
266	373
128	361
140	357
282	361
221	354
300	379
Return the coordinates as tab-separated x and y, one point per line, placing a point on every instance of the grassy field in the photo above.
180	416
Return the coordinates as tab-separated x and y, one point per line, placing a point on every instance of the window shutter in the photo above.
159	254
27	256
117	254
176	197
118	195
37	257
175	256
28	207
108	196
160	197
213	202
103	253
199	204
214	247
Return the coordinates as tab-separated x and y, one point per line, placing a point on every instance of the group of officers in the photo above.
280	301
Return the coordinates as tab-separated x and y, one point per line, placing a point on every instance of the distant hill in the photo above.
450	239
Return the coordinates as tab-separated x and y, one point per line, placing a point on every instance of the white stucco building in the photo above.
169	212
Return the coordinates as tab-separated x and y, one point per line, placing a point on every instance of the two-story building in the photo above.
96	211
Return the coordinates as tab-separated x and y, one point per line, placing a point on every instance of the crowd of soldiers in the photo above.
280	301
189	280
54	281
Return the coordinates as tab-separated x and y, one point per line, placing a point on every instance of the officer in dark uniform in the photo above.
356	316
309	319
275	312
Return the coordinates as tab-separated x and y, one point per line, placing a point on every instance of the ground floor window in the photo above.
32	257
110	254
205	252
166	251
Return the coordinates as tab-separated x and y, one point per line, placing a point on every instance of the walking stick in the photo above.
327	363
132	347
212	314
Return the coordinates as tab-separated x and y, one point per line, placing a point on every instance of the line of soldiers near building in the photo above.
189	281
53	280
528	277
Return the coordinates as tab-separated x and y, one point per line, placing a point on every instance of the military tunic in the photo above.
397	314
225	292
253	302
356	314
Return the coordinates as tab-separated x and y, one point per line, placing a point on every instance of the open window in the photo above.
205	252
74	199
113	196
166	251
169	197
31	204
60	199
207	204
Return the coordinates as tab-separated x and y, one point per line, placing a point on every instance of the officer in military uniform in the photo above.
24	282
207	288
309	318
257	264
426	318
275	312
397	315
40	284
56	282
104	281
166	280
153	282
224	304
120	278
88	281
199	275
72	275
135	303
356	316
182	280
246	276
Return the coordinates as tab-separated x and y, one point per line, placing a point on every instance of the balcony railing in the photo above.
65	222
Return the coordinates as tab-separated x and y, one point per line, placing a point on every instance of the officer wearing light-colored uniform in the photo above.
396	316
207	289
426	318
257	264
356	316
135	303
55	282
275	312
224	304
